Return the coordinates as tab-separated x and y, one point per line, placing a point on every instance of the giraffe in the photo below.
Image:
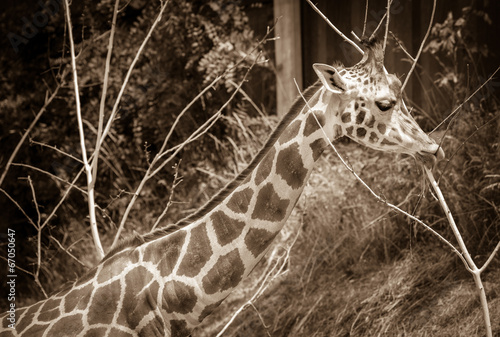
166	282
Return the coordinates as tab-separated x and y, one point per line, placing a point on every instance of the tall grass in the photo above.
358	269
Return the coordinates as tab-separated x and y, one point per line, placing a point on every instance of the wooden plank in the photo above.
288	53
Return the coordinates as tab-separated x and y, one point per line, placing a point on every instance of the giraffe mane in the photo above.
295	109
137	239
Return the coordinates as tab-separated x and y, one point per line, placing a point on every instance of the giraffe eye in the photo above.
384	105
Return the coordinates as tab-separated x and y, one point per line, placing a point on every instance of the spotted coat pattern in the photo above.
166	285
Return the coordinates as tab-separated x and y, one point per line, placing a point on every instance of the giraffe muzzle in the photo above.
430	158
440	154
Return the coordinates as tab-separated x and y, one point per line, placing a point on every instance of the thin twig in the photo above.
103	94
33	194
17	266
34	142
66	250
65	195
266	327
253	298
176	181
400	45
415	60
33	123
490	258
378	197
39	229
366	18
450	158
162	151
18	207
53	176
129	73
195	135
388	15
466	100
252	103
379	24
335	28
270	275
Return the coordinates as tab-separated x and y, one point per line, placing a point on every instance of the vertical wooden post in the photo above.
288	53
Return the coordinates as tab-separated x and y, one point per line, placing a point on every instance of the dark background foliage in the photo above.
195	42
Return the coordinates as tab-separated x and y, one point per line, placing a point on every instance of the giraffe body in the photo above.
165	284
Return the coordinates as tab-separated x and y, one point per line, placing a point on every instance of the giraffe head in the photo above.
371	109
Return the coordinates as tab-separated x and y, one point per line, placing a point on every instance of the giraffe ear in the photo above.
330	78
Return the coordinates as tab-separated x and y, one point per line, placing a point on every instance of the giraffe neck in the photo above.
220	248
167	284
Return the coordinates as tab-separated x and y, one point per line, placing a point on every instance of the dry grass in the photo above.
351	276
357	268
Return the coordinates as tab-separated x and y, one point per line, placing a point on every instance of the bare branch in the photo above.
33	123
65	195
104	91
66	250
275	271
252	103
335	28
75	84
400	44
53	176
129	73
88	169
388	15
38	239
462	145
176	181
466	100
379	24
57	150
476	273
378	197
33	194
17	266
366	18
490	258
415	60
19	207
